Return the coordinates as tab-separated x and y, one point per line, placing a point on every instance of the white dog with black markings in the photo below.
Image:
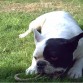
59	43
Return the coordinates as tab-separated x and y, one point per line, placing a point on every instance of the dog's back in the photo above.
54	24
59	24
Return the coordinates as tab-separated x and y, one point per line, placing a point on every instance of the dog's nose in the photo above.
40	66
41	63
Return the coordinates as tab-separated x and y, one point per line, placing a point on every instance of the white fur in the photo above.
57	24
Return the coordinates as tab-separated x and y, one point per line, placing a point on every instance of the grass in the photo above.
14	52
15	16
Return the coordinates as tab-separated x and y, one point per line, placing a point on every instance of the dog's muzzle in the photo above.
41	66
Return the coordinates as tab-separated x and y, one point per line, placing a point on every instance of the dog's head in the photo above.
54	54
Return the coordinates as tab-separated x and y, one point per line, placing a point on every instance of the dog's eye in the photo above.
38	57
35	58
54	58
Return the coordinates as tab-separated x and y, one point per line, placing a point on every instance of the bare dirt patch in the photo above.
42	5
73	7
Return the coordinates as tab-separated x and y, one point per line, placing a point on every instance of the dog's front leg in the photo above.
76	71
32	69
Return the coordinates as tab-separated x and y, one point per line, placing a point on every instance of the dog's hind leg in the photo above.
31	26
35	24
25	33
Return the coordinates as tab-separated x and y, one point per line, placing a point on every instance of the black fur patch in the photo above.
59	52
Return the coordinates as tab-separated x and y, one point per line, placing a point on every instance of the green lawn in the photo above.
15	16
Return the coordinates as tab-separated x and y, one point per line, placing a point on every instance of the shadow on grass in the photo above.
7	73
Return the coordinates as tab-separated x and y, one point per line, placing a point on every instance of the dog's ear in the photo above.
73	42
37	36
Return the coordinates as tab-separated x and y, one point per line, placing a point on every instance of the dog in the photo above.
59	43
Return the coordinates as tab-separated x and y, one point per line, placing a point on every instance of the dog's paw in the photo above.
75	73
31	70
21	35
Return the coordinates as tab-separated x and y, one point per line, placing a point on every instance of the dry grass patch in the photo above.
42	5
74	7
